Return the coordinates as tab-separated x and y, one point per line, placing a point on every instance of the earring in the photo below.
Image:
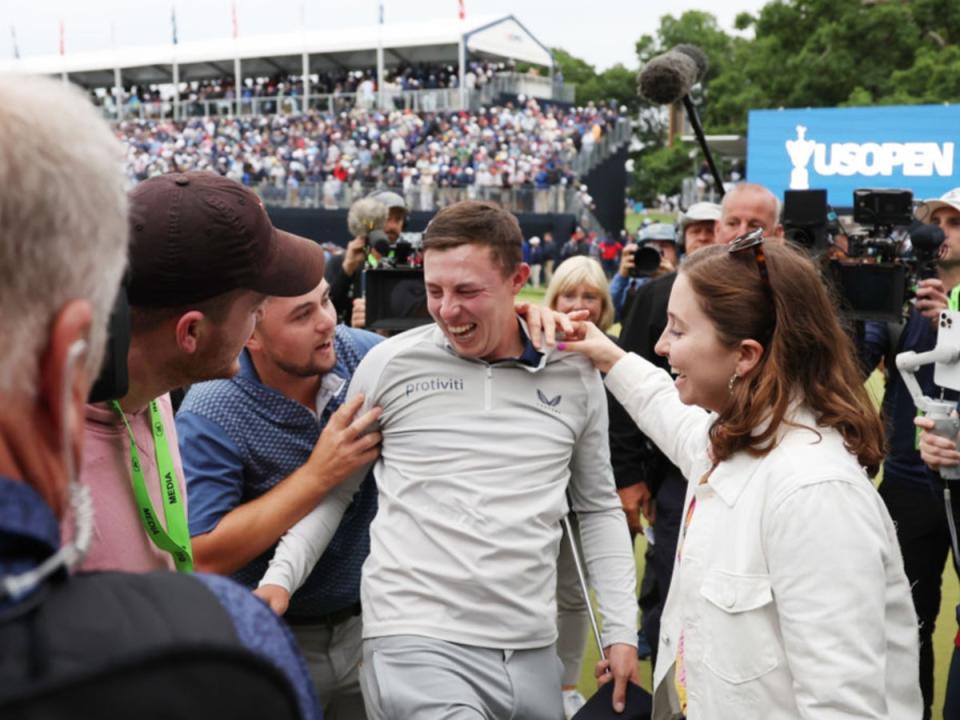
732	381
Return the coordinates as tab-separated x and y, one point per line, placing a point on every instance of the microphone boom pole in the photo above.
669	77
694	119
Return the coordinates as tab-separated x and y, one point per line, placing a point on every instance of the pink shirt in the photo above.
119	540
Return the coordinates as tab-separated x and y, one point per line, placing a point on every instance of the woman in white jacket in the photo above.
789	598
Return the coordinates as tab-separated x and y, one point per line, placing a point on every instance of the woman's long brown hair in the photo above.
807	354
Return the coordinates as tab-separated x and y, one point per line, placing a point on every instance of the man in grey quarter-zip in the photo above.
483	439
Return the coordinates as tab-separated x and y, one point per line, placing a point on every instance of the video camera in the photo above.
396	296
873	269
392	276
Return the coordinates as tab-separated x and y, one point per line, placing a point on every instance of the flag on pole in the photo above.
62	44
463	10
173	22
236	30
381	12
16	46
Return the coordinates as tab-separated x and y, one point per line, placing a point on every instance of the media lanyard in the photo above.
175	539
953	300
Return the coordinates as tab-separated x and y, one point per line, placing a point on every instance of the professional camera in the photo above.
874	269
646	259
392	278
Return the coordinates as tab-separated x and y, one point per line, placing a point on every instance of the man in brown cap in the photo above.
203	258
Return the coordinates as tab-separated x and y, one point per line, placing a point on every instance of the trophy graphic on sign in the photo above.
800	152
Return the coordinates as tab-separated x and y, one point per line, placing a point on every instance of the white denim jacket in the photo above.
790	594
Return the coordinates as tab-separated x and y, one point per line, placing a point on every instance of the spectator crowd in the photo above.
499	147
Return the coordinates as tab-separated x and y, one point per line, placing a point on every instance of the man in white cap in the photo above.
535	260
698	226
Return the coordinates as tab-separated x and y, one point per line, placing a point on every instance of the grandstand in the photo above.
437	111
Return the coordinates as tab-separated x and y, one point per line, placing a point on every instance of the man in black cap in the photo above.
204	256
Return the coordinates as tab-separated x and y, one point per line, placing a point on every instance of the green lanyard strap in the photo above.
175	539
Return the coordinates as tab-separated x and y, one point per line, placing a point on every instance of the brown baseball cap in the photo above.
197	235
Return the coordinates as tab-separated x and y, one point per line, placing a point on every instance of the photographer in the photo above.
910	489
697	228
368	224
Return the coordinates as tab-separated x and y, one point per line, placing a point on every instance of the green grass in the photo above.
943	635
531	295
632	220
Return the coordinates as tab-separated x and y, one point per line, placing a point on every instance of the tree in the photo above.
661	171
617	84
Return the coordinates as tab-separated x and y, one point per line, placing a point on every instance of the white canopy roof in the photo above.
488	37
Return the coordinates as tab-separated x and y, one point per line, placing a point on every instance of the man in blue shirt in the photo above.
248	443
66	203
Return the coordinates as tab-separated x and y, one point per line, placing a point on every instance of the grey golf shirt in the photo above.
476	464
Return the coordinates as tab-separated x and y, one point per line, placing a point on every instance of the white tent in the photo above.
296	53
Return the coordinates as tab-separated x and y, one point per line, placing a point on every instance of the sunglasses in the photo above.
754	239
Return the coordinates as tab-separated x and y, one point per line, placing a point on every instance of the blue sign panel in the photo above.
841	149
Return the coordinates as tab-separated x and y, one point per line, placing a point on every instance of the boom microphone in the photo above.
697	55
668	77
366	215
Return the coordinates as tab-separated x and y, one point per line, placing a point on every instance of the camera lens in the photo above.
646	261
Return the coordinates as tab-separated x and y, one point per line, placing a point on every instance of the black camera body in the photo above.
878	270
882	207
394	291
646	261
396	299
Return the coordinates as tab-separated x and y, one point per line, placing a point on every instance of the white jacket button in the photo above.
729	597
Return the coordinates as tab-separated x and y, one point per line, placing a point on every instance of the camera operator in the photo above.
344	272
910	489
652	255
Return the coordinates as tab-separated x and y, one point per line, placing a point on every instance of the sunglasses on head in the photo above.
754	239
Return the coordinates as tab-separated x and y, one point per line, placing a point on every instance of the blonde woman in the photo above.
580	284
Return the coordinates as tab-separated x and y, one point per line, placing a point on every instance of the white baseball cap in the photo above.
699	212
951	198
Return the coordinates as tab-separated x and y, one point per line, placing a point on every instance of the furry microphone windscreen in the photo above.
698	56
366	215
668	77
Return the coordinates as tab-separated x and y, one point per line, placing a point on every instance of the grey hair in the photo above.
63	221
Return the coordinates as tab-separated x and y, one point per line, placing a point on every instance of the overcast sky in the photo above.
603	32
